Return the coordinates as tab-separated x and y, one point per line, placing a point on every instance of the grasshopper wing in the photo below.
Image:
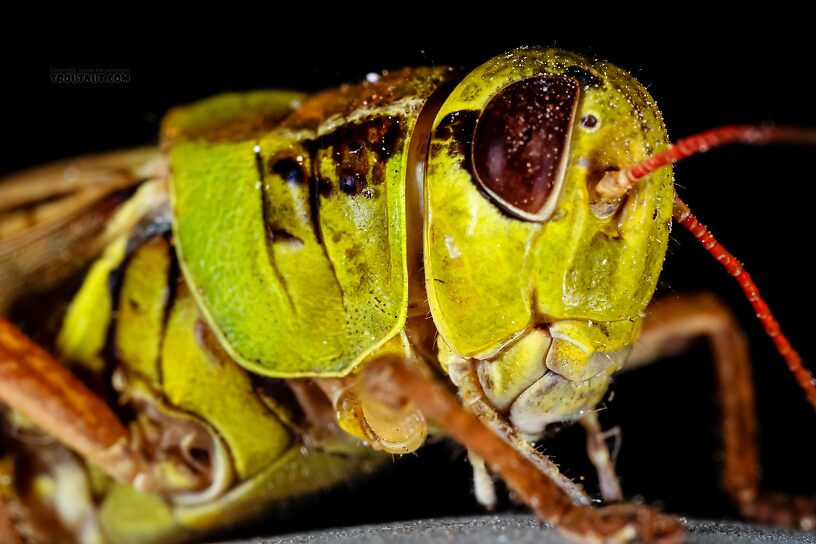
54	219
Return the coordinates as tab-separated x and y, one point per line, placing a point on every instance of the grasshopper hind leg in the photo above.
673	323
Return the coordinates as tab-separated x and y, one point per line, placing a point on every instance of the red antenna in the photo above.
683	215
616	184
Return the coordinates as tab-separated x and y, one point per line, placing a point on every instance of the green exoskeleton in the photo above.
293	285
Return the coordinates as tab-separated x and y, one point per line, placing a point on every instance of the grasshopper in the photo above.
293	286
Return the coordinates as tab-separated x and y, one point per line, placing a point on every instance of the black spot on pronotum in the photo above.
324	187
288	168
585	77
520	143
351	183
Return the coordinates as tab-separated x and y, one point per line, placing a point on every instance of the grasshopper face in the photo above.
525	270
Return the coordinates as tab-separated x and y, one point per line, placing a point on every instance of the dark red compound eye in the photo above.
521	144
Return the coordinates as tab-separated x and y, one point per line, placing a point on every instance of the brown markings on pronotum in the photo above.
378	138
269	228
324	187
360	151
289	167
385	142
354	147
317	187
343	101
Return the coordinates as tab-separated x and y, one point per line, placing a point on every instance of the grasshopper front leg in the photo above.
672	323
395	381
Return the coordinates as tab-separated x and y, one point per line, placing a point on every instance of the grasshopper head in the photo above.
528	270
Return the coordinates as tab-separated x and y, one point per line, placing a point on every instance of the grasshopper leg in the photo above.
464	377
35	385
8	532
396	381
601	459
671	323
483	485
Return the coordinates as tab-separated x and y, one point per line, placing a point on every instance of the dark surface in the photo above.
517	529
758	201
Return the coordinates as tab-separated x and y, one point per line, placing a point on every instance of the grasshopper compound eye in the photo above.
521	144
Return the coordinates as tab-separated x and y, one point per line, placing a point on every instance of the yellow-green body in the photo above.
285	252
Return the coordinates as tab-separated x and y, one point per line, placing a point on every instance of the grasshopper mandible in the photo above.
333	266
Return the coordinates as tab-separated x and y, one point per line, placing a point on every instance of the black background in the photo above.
757	200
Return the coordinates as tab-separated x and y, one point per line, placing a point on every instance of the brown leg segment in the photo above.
8	533
395	381
32	383
673	323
